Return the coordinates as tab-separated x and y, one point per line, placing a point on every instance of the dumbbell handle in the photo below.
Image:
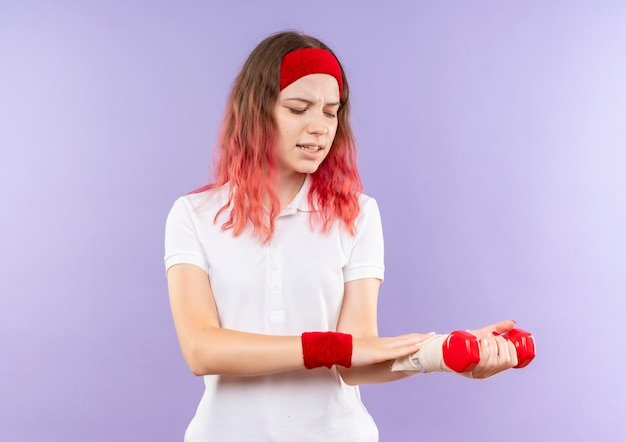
461	349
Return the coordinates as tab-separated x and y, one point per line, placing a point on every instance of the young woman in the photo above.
273	270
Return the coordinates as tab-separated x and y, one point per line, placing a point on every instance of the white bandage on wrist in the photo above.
427	359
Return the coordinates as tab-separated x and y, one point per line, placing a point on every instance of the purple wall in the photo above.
493	136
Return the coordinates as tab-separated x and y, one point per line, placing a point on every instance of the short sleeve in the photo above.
182	245
366	257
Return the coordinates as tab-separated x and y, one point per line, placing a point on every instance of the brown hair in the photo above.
246	146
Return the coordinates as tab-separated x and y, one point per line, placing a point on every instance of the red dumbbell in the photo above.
461	350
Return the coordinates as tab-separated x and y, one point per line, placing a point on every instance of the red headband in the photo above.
301	62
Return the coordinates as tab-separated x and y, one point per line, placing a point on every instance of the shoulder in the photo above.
204	200
368	218
365	199
368	206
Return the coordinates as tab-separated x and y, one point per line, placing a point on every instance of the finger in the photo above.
493	346
500	356
414	339
486	351
416	336
482	368
398	351
366	351
513	353
494	350
504	353
498	328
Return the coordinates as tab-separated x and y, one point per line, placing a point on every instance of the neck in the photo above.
288	187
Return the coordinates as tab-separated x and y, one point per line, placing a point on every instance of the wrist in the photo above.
325	349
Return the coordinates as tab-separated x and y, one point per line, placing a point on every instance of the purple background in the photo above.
493	135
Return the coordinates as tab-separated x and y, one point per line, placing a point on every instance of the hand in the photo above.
496	353
372	350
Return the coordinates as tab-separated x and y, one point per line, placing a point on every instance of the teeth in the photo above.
309	148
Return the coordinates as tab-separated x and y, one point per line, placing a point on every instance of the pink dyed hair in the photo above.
246	145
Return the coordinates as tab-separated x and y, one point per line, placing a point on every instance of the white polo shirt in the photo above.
290	285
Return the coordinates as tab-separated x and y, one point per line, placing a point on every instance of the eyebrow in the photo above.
304	100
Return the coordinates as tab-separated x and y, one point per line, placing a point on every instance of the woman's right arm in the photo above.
210	349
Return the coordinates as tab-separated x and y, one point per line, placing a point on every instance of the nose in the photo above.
318	124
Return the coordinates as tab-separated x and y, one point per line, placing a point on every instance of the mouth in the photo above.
309	147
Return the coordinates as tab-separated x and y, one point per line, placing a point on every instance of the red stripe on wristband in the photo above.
325	349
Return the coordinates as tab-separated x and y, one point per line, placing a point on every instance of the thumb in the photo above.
504	326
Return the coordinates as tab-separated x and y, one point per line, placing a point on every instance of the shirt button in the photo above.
276	286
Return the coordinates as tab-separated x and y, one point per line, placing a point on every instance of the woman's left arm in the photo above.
359	317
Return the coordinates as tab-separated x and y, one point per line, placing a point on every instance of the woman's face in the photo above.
306	117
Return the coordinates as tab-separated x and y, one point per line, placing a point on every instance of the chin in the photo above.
301	167
308	170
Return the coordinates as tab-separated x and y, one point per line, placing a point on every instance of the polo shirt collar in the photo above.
300	202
